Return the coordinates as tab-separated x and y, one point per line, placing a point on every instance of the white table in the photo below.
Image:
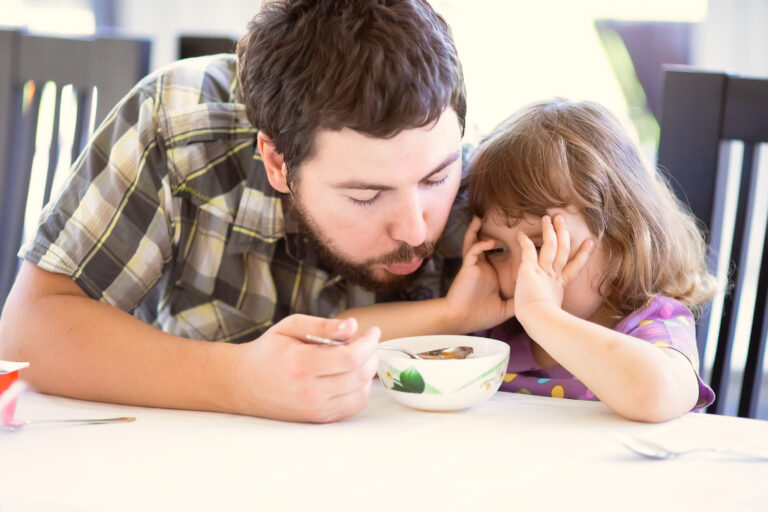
514	452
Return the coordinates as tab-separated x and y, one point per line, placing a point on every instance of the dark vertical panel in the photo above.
84	98
8	68
691	115
746	114
9	111
17	185
53	152
753	371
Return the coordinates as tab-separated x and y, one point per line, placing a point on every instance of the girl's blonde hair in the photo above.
555	154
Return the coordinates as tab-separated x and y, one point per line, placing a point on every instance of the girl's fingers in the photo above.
549	247
528	250
563	244
470	237
579	261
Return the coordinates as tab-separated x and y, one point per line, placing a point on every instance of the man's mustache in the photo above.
405	254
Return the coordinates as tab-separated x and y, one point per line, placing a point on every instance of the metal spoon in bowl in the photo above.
440	353
407	352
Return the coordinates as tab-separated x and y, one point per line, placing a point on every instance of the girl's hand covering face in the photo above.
543	276
474	298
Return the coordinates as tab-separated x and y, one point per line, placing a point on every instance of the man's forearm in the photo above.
84	349
400	319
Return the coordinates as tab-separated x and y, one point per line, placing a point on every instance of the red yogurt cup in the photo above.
9	373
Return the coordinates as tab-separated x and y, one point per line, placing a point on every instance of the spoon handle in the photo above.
122	419
398	349
727	452
84	421
319	340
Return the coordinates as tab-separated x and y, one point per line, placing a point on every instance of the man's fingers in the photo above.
579	261
349	382
470	237
478	248
324	360
349	404
298	326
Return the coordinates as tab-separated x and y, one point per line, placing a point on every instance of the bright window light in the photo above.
49	17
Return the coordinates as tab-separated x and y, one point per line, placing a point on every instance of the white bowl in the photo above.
443	384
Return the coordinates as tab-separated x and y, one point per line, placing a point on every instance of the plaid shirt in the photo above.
168	215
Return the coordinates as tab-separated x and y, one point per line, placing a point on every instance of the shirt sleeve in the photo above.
668	324
107	228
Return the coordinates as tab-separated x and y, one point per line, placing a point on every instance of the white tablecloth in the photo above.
514	452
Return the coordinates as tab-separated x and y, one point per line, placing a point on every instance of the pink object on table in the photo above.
9	373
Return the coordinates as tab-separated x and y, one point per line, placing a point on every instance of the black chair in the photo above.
199	46
110	64
702	114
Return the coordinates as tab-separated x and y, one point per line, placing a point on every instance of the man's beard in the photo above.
362	274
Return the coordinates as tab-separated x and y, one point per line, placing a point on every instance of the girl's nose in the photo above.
507	279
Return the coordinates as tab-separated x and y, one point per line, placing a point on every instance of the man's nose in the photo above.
409	223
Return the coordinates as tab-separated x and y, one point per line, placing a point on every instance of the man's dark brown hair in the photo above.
375	66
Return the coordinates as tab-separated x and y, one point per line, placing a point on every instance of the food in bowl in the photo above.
447	353
443	384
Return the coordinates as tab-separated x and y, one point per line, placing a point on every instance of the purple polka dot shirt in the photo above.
663	322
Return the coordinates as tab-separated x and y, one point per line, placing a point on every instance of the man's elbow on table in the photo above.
25	309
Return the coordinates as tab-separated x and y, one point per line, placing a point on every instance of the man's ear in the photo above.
273	163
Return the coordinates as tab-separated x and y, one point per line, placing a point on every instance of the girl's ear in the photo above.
273	163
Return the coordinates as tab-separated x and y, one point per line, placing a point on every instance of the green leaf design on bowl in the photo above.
411	381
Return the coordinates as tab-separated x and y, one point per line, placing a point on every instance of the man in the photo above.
183	224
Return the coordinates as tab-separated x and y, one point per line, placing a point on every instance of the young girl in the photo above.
590	252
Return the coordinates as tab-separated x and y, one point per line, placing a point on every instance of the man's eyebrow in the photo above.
365	185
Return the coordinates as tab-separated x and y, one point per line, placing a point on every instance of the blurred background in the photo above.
513	52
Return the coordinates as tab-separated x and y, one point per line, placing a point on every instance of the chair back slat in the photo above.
746	117
753	371
84	97
734	300
690	135
16	181
53	151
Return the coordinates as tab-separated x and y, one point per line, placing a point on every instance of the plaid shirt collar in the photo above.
250	231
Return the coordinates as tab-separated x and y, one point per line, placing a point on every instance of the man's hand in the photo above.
474	298
287	379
